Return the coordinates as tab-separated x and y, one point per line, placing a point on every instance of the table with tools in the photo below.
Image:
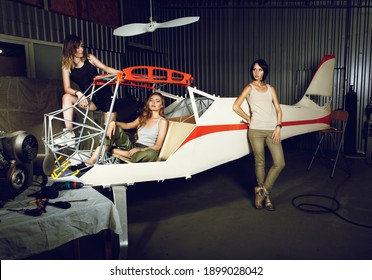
31	225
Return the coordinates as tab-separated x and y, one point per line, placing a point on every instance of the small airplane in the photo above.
203	130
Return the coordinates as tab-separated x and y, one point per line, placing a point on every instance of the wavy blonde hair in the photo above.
147	113
70	45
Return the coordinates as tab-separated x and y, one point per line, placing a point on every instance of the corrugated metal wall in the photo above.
292	36
34	23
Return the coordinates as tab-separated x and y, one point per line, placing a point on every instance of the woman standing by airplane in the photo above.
81	68
265	123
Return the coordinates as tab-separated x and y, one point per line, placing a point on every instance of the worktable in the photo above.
22	236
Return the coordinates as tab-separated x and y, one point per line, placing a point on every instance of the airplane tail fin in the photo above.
322	82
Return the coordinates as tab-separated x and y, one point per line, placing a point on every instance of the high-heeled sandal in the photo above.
268	204
259	197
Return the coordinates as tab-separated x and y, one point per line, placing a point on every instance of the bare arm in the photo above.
97	63
84	102
112	126
237	106
66	82
276	135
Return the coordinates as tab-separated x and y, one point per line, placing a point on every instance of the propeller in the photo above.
140	28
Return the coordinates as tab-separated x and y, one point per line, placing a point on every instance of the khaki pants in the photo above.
258	139
124	141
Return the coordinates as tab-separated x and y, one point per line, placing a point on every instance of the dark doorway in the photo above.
12	60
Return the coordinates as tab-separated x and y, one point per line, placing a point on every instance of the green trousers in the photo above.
258	139
125	141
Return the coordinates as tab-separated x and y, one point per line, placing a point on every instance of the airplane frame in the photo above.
203	132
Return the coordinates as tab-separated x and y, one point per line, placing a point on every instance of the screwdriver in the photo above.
63	204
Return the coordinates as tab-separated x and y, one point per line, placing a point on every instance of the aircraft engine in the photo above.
17	151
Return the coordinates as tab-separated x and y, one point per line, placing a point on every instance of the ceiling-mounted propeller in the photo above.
140	28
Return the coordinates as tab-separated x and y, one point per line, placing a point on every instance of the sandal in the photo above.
259	197
268	204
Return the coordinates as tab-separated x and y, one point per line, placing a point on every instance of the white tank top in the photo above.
263	113
148	135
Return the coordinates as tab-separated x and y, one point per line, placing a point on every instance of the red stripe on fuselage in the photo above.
325	120
199	131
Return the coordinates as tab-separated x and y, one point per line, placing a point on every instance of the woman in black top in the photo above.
81	68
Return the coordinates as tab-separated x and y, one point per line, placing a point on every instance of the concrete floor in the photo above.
211	216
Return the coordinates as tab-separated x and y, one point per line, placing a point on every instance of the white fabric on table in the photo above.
22	236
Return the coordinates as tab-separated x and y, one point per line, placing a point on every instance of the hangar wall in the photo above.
34	23
292	36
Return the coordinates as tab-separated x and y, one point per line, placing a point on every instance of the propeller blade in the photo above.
140	28
131	29
177	22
